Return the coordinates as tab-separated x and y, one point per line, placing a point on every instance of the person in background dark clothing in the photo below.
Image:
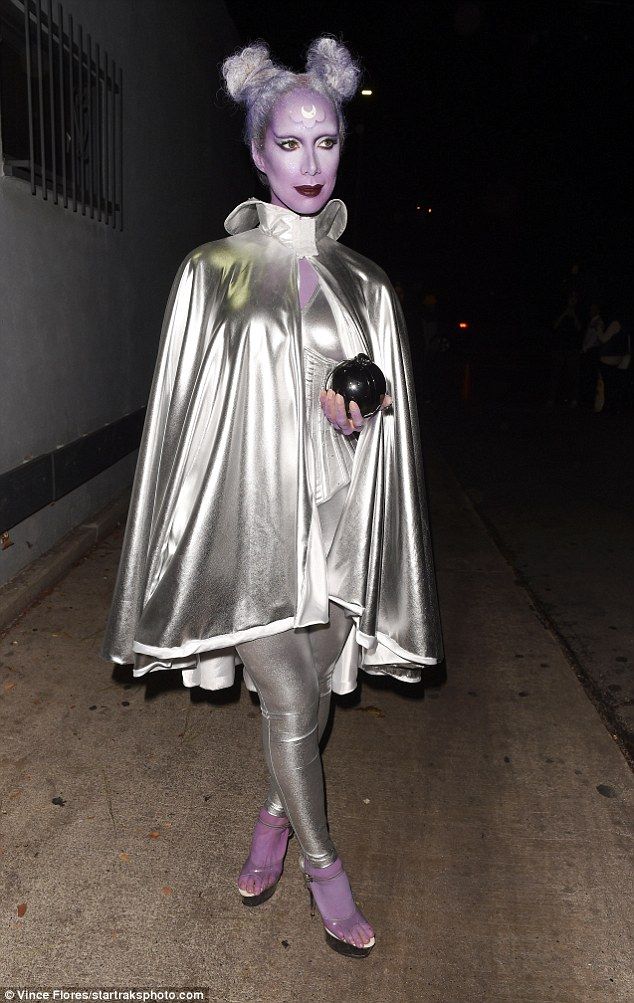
615	361
590	352
565	347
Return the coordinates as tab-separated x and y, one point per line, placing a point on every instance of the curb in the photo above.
28	585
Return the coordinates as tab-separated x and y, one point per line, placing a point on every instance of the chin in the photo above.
303	205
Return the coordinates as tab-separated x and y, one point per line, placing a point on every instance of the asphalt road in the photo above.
556	492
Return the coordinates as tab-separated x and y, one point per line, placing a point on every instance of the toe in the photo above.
356	936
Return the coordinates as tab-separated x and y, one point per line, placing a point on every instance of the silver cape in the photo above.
223	539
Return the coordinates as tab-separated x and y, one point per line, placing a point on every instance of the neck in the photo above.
274	200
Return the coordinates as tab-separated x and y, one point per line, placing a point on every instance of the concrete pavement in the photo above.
556	490
495	868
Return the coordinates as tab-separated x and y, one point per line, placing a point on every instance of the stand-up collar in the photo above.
301	234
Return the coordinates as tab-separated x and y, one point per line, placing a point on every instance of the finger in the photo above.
340	411
337	409
331	410
355	416
386	401
329	405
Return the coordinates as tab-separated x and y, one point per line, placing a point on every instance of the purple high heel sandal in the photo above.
273	870
330	889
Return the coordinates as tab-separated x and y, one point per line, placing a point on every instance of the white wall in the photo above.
80	303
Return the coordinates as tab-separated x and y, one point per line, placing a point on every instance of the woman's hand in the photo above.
334	407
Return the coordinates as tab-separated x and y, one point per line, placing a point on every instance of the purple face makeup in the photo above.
300	156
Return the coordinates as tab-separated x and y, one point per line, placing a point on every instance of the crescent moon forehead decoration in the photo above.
306	115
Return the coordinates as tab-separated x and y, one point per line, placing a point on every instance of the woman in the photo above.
590	352
262	528
614	362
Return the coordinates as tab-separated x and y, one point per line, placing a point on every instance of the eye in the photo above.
288	144
327	143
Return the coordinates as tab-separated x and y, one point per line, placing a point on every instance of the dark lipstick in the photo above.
310	191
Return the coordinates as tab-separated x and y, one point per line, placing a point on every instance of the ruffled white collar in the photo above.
301	234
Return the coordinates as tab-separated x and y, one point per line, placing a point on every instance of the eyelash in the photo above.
290	149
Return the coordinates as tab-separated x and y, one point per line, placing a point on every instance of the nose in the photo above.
310	165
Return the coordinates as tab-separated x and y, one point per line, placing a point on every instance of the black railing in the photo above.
62	110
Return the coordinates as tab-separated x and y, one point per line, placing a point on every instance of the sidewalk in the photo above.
555	490
496	868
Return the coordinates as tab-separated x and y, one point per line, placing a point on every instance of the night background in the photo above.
482	812
509	121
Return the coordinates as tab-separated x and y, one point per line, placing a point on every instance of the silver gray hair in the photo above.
253	79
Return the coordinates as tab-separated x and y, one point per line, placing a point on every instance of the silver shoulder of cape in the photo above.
227	252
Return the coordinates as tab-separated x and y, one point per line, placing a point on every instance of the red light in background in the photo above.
463	325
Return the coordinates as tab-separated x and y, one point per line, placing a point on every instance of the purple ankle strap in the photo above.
312	876
272	825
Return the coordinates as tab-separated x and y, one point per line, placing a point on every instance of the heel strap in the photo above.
322	880
272	825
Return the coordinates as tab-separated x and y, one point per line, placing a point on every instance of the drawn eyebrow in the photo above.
325	135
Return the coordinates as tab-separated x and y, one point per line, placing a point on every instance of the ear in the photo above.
257	157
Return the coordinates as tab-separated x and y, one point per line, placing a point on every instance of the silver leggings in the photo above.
292	672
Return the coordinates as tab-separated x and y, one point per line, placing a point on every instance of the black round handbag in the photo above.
359	380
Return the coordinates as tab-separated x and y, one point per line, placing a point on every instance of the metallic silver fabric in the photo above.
333	452
319	329
223	532
292	672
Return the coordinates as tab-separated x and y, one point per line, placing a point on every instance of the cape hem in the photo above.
220	640
191	678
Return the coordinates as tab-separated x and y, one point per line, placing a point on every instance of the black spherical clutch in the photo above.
359	380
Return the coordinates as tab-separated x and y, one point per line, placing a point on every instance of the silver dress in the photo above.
332	451
249	512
